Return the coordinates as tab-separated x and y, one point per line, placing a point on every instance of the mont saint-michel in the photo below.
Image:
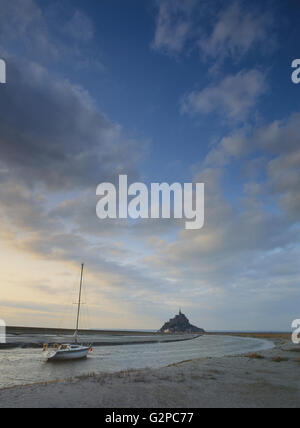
180	324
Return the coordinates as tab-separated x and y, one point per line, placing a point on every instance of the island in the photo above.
180	324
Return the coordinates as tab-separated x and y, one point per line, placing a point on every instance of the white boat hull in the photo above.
67	355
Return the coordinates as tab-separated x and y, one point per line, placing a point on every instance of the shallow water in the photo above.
27	366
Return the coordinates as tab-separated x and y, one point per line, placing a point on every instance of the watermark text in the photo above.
2	71
2	332
160	201
296	332
296	72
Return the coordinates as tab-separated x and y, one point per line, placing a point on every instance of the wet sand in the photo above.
268	379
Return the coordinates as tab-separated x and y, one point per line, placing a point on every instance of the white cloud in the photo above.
50	34
61	140
277	147
174	25
233	98
247	254
23	20
218	32
236	31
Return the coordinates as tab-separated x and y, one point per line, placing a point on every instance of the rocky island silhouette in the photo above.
180	324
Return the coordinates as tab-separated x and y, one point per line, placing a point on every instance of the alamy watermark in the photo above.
159	201
296	72
2	332
2	71
296	332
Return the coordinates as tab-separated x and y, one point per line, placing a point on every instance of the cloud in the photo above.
57	146
217	31
276	150
284	175
50	34
233	98
236	31
116	269
22	21
271	137
280	141
174	25
247	253
80	27
52	134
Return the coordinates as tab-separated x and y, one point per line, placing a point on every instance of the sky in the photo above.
162	91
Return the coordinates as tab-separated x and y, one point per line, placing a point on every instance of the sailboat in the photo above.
70	351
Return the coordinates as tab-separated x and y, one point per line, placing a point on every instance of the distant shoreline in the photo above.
54	330
64	331
34	338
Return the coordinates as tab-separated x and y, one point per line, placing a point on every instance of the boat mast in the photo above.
79	303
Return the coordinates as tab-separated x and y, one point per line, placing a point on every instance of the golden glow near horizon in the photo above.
36	292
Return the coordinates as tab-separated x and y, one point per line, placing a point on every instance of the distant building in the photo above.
180	324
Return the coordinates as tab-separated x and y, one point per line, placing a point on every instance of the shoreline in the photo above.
29	344
263	379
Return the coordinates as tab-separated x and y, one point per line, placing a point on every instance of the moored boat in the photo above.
69	351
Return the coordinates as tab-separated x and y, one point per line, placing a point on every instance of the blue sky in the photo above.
164	90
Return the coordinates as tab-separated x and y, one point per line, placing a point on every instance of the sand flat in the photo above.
271	381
